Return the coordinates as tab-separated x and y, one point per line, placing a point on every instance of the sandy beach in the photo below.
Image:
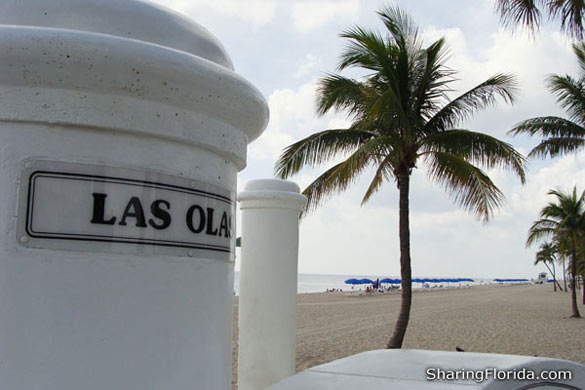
523	320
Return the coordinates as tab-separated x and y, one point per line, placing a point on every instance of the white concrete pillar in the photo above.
268	282
122	128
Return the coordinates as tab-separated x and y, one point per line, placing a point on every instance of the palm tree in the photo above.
401	115
548	255
528	13
581	271
562	260
561	135
565	222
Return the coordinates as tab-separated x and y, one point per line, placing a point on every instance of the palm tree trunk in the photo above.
565	276
574	307
553	275
405	270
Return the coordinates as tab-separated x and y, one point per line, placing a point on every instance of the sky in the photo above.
283	47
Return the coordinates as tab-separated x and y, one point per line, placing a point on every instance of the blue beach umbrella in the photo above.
366	281
352	281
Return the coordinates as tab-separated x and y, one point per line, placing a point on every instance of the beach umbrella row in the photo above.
510	280
391	281
450	280
415	280
359	281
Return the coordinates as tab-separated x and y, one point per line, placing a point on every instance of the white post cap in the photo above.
128	65
272	193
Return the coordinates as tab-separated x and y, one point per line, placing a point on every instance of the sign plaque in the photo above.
70	206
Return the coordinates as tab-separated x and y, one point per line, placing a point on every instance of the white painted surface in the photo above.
98	85
407	370
268	282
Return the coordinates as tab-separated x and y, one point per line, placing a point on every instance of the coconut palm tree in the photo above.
563	220
581	271
548	255
562	261
401	116
528	13
560	135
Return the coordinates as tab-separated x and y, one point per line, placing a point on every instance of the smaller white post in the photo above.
268	282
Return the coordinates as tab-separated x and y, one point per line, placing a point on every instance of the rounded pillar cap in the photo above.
131	19
125	65
272	185
272	193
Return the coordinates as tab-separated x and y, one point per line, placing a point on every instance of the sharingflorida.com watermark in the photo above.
479	376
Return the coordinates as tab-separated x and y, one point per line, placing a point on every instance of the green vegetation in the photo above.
561	136
563	221
547	254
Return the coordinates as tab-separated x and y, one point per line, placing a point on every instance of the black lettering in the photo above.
137	212
158	212
209	229
223	226
190	219
229	227
99	203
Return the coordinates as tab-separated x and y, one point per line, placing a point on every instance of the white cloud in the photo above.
529	59
291	114
309	63
257	12
309	15
562	173
292	117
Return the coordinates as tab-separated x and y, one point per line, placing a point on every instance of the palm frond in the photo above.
401	27
549	126
571	13
387	108
468	185
340	176
570	95
341	93
319	148
476	148
384	172
520	12
543	228
557	146
563	220
366	49
568	209
579	50
547	253
433	79
484	95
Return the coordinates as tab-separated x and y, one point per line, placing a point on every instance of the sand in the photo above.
522	320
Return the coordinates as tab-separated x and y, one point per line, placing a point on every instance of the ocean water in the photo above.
312	283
